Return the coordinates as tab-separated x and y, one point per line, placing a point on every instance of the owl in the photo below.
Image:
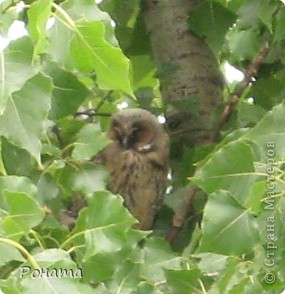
137	163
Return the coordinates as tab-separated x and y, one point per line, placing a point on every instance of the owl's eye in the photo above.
142	138
133	137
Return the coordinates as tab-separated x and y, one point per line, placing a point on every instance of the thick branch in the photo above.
191	82
181	213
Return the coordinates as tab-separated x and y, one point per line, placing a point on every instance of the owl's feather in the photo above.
137	162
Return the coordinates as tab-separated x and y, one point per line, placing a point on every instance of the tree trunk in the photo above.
191	83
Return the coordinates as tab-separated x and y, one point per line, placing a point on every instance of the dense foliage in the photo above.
77	64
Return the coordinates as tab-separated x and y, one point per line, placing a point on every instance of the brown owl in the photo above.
137	162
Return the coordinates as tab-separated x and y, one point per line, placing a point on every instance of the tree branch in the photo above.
91	113
239	90
181	213
102	101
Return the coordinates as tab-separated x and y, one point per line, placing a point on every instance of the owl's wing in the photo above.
98	158
107	156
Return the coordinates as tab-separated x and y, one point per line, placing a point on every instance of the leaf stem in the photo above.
23	250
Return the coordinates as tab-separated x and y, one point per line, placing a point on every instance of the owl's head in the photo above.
135	129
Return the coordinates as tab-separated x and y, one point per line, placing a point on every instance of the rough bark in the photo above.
191	83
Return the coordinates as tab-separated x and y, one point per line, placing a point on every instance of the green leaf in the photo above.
59	40
248	14
156	256
24	113
249	114
92	53
89	180
104	228
266	13
145	97
210	262
47	189
7	17
39	14
243	44
230	168
145	288
24	214
228	278
183	281
48	260
139	43
9	253
129	23
143	72
90	141
233	136
212	20
103	223
124	13
68	92
16	184
256	194
55	257
225	219
69	128
128	276
114	265
55	285
105	264
2	167
11	285
269	132
87	9
279	29
266	91
11	154
15	68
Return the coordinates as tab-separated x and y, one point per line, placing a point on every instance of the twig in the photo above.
181	213
102	101
239	90
92	112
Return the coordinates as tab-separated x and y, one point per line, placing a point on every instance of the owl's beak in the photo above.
125	142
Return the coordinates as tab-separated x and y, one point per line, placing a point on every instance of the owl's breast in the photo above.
131	171
135	175
139	178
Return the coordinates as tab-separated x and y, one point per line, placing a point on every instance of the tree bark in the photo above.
191	87
191	83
